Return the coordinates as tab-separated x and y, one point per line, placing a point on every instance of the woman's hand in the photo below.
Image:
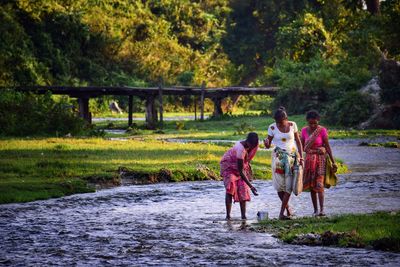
334	167
321	150
254	190
266	143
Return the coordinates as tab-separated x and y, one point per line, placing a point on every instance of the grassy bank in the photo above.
33	169
379	230
233	128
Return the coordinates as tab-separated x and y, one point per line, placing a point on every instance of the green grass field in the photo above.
233	128
41	168
380	230
33	169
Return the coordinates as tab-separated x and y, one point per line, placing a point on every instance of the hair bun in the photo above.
282	108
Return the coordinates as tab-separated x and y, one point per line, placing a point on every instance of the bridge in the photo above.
153	97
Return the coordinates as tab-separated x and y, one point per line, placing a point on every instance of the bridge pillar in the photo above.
160	101
151	112
84	109
130	110
202	97
217	106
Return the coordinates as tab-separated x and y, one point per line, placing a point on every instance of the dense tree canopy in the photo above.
112	42
313	49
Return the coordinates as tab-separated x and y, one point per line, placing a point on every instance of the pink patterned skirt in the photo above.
314	172
235	186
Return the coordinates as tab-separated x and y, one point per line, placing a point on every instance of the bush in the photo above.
304	86
316	84
24	114
243	128
179	125
350	110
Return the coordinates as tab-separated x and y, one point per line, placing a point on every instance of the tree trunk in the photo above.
151	112
217	106
373	6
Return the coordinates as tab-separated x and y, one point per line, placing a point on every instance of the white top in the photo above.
284	140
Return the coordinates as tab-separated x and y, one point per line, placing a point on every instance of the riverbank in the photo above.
373	183
32	169
170	223
380	230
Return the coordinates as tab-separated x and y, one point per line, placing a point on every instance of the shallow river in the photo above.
182	224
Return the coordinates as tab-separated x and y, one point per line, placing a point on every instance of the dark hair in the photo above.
252	138
280	114
313	115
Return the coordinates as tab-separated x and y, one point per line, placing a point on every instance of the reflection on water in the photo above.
177	224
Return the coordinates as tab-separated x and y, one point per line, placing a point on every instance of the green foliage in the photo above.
243	128
390	16
251	34
303	39
350	110
314	50
315	84
179	125
26	114
305	86
111	42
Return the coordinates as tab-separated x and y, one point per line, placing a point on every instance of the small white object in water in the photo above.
262	215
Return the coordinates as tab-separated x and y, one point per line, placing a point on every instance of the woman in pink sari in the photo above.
236	171
316	145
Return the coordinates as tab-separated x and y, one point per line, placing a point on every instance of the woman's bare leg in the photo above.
321	203
314	201
285	201
243	209
281	194
228	204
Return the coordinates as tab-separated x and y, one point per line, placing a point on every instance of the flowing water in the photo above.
183	223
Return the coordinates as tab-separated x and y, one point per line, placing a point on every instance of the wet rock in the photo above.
329	238
129	177
209	174
384	91
387	244
309	239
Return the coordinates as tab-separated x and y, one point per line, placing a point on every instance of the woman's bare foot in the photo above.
322	213
283	217
228	218
289	212
244	218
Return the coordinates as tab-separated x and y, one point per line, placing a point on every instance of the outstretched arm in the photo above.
299	145
267	141
240	167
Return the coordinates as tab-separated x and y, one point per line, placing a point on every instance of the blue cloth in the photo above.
283	156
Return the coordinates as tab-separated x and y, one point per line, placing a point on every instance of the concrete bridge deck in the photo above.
149	94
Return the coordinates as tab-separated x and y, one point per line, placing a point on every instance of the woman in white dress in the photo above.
288	148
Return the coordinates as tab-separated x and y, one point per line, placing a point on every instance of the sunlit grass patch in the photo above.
235	128
61	166
380	230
